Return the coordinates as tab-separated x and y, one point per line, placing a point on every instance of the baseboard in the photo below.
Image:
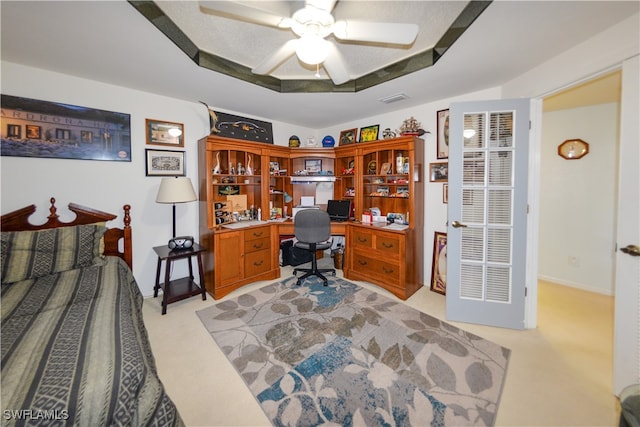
576	285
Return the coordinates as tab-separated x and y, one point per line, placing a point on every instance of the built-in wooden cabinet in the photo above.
382	174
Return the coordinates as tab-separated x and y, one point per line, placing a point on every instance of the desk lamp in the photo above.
175	190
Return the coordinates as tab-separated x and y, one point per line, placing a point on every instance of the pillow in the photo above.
32	254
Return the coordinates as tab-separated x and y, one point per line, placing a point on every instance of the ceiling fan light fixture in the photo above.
312	49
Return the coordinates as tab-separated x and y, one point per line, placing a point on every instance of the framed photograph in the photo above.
442	141
348	136
313	165
439	265
369	133
43	129
165	163
164	133
439	172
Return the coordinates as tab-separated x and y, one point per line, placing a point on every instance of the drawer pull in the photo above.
258	234
258	263
258	245
362	239
387	245
387	271
361	262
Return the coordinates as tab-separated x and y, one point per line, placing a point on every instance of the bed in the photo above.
74	347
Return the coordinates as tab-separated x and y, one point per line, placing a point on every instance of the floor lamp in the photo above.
175	190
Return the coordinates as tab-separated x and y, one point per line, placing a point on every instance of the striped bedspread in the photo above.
75	352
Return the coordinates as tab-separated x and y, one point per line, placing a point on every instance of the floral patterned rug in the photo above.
344	355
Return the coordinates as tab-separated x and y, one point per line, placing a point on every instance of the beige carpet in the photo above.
560	374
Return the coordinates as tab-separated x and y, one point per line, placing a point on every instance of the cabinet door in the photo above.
228	258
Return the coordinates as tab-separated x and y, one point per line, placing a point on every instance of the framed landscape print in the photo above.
165	163
34	128
442	142
439	172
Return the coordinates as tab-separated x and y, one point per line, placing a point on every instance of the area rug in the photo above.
345	355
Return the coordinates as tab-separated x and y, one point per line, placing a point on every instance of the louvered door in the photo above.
486	236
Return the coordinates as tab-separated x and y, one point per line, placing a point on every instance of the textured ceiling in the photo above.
248	44
112	42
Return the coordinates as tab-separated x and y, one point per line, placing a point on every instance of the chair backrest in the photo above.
312	226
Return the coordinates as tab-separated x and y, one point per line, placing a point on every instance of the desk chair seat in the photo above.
313	232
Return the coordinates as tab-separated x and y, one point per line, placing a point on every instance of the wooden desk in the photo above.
287	228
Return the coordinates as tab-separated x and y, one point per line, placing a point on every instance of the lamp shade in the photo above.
176	190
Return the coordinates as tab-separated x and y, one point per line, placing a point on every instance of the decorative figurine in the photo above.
217	169
249	170
388	133
411	127
232	170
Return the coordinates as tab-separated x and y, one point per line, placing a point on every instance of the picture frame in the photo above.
313	165
439	172
439	265
245	128
160	132
369	133
348	136
442	140
45	129
165	163
445	193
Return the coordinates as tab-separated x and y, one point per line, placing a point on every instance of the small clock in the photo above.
573	149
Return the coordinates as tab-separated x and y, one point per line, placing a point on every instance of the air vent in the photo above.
394	98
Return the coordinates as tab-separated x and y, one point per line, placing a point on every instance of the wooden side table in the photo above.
185	287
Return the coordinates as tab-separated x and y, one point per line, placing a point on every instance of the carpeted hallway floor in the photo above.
559	374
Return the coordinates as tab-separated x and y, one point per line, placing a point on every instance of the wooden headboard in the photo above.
19	221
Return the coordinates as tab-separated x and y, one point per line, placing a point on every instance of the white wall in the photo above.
578	203
110	185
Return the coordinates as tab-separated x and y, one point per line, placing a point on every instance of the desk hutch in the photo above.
384	174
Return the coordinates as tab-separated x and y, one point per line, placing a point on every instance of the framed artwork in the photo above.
348	136
439	172
369	133
439	265
313	165
35	128
164	133
231	126
445	193
442	142
165	163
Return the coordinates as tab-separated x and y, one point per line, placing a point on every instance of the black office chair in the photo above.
313	232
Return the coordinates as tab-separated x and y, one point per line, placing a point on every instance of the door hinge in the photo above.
525	291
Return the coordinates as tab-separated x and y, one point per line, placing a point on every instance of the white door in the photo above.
626	348
487	218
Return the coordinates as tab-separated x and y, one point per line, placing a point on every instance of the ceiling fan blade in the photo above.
326	5
377	32
246	13
281	55
335	66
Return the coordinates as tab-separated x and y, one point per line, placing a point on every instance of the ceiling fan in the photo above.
312	24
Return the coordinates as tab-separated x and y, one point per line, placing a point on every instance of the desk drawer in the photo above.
257	244
256	233
388	272
362	238
257	262
388	243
